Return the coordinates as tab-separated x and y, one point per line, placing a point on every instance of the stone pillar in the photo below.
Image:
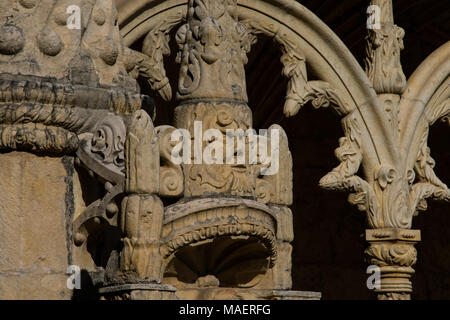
231	208
142	210
392	250
141	219
213	96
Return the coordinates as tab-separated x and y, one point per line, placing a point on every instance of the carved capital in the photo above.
392	250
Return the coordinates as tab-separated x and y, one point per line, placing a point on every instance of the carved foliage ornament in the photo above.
150	63
383	65
105	146
300	91
428	184
388	254
386	200
213	52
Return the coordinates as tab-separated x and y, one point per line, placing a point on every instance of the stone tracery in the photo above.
222	209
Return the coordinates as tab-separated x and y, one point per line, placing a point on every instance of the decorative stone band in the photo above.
43	116
386	234
138	291
392	250
38	138
245	294
15	89
199	220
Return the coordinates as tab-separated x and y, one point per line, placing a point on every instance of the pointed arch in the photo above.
425	100
325	54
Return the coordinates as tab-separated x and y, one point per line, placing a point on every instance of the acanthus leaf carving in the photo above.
344	176
300	91
386	254
386	199
428	185
150	63
383	66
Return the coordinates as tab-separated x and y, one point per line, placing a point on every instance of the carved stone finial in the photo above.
142	210
142	155
385	42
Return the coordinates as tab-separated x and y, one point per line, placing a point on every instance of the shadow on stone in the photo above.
88	290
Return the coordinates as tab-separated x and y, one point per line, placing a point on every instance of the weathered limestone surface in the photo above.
95	183
33	221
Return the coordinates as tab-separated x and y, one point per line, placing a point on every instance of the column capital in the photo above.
392	250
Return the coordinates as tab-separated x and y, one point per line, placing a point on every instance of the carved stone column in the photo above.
397	185
142	214
142	211
212	91
229	237
392	250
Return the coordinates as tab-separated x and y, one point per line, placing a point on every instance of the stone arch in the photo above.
426	99
324	52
